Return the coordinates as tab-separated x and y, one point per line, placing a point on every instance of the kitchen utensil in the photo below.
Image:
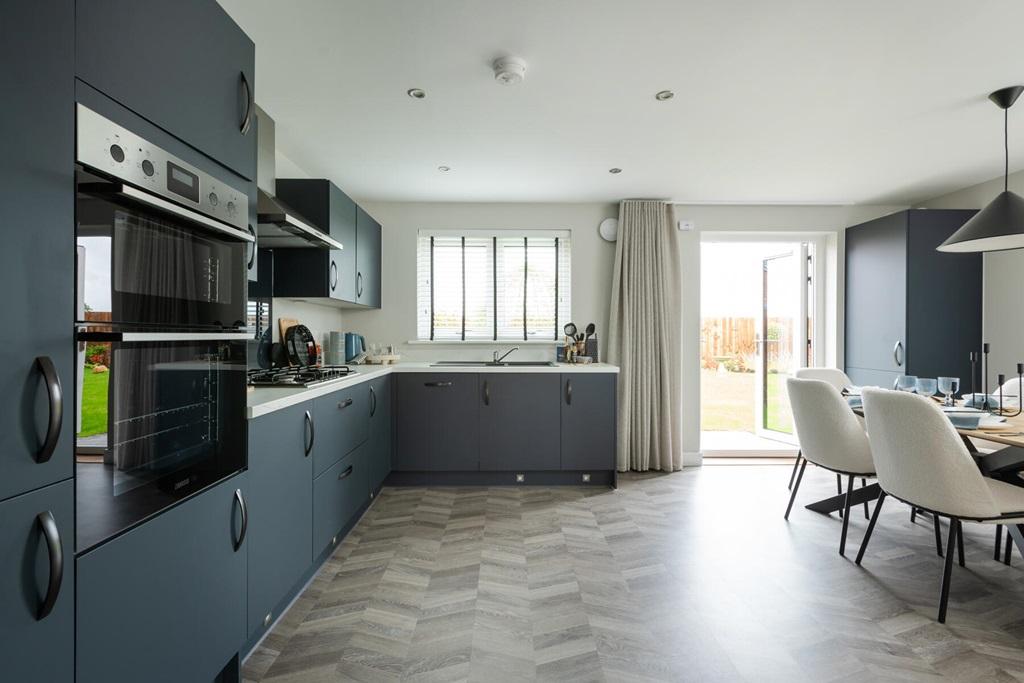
263	347
355	346
570	330
282	326
300	346
591	329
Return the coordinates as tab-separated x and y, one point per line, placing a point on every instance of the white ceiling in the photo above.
787	101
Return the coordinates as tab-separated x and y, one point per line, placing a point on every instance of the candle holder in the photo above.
1020	403
985	404
974	372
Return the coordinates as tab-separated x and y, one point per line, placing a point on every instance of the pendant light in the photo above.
1000	225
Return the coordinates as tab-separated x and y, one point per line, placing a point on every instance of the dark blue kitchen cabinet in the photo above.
519	421
166	601
381	430
338	495
37	418
439	426
341	420
368	256
185	66
37	634
280	501
588	421
318	273
891	262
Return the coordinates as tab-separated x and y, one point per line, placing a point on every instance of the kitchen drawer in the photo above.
342	423
338	494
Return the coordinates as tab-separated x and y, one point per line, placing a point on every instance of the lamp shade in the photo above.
998	226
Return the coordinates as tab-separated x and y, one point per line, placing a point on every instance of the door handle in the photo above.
56	401
359	284
240	499
438	385
345	404
334	276
345	473
373	402
568	392
311	430
56	553
897	354
487	393
247	119
252	256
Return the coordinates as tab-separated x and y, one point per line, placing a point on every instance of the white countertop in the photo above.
263	400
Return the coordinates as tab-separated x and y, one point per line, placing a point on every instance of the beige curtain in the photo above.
645	337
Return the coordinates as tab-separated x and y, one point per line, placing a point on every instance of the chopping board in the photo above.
283	324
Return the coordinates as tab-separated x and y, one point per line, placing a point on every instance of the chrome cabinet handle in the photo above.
56	400
311	430
487	393
568	392
897	354
345	404
252	255
334	276
240	499
359	284
56	553
439	385
247	119
373	402
345	473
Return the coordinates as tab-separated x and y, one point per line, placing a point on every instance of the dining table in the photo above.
997	448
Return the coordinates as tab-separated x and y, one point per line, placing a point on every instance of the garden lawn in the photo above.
727	402
94	402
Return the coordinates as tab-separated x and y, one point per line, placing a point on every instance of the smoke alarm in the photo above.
509	70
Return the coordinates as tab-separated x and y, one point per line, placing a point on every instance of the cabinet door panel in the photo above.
185	66
368	258
455	422
588	421
342	421
380	430
876	293
338	494
33	649
165	601
38	224
414	428
280	509
519	422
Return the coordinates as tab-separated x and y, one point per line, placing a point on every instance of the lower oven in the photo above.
163	417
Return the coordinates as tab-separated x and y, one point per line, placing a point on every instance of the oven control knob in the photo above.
147	167
116	153
213	199
231	208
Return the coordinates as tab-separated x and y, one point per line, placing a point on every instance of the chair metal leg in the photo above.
1009	548
796	464
913	515
938	535
871	527
846	516
839	489
999	542
947	570
960	542
867	515
796	487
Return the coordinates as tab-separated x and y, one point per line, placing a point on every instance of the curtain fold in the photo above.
645	337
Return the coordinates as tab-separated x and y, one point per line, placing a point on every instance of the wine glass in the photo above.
906	383
926	387
948	386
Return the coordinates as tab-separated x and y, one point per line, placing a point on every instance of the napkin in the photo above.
975	400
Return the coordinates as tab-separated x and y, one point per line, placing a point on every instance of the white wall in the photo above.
1002	312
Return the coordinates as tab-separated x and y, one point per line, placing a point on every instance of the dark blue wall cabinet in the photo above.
910	309
368	253
338	494
280	507
37	585
588	421
341	425
184	65
519	422
381	429
166	600
439	422
37	259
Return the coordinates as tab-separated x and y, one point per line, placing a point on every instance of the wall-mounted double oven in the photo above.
162	250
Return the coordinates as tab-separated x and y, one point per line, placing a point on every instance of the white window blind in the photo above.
476	285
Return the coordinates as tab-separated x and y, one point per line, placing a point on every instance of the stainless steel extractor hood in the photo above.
278	225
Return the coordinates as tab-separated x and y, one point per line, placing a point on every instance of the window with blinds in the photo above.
504	286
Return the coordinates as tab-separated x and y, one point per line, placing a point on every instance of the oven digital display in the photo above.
182	182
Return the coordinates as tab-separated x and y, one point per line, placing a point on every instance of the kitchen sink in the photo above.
492	364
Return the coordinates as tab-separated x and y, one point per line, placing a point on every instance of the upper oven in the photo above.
161	244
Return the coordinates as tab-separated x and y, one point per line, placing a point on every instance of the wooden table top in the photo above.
1009	433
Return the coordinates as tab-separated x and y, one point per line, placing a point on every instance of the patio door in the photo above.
784	338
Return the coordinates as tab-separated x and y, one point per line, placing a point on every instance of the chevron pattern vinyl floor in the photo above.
692	576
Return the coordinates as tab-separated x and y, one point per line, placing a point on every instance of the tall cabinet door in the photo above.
37	637
37	416
185	65
380	430
876	296
588	421
368	254
519	421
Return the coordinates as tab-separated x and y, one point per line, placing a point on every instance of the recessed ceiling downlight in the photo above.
444	169
614	171
664	95
416	93
509	70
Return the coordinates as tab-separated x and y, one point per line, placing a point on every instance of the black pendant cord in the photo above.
1006	150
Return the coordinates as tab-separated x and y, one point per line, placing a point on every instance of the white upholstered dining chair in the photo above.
830	437
921	460
837	378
